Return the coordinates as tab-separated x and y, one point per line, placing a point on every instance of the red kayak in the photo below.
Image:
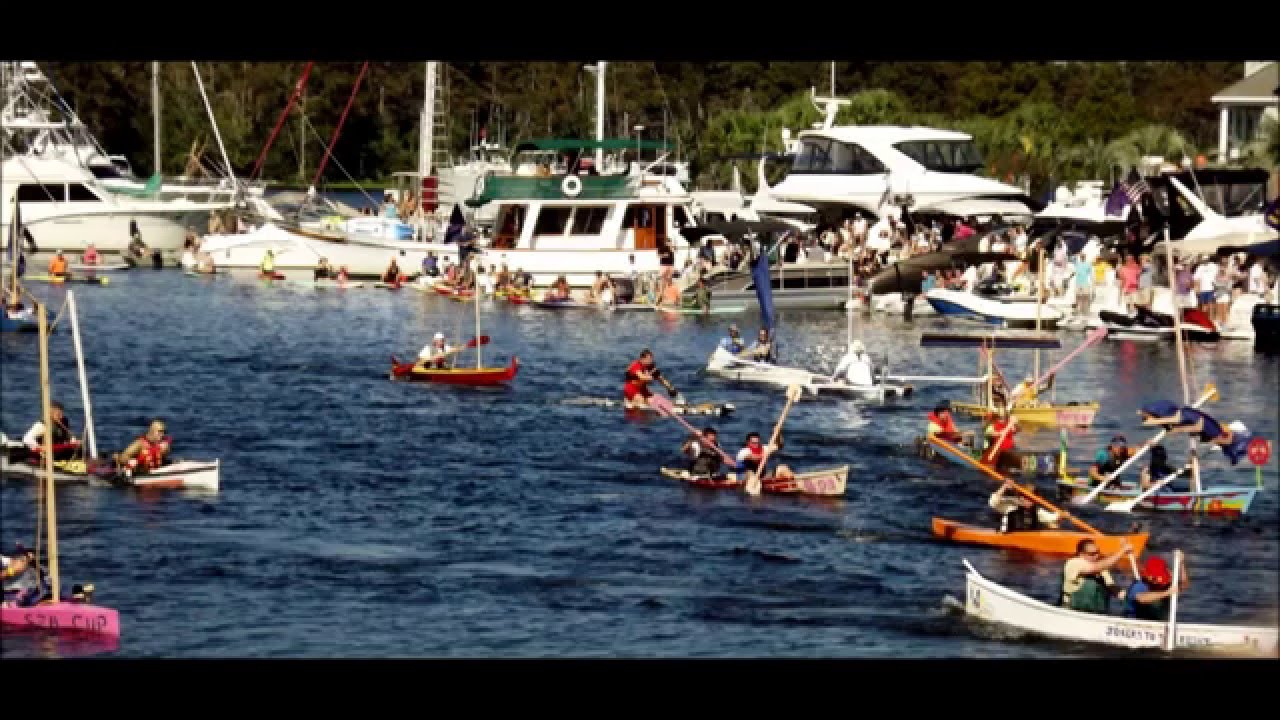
453	292
471	377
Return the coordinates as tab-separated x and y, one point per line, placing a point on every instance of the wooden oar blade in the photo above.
662	405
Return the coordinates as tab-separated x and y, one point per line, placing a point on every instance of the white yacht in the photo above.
874	168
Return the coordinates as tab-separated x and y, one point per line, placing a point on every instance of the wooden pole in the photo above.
1182	359
1039	301
476	297
1170	634
50	505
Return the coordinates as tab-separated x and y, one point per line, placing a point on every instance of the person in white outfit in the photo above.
855	367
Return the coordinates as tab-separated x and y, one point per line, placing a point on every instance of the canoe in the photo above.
1047	542
277	275
1076	414
1216	500
328	284
732	310
718	409
829	482
471	377
449	291
991	602
177	475
90	269
63	279
65	617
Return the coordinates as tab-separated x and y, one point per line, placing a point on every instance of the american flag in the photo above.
1135	187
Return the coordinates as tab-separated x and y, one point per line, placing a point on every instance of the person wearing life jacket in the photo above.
1148	597
437	353
391	275
751	456
268	264
1109	459
641	372
704	456
1019	513
21	578
1232	439
942	425
147	452
1003	455
65	444
1087	585
90	256
58	265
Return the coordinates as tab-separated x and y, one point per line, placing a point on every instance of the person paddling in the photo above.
1000	430
268	264
641	372
148	452
1233	439
942	425
58	266
1087	585
762	350
65	444
22	578
1109	459
1148	597
1157	470
90	256
322	270
436	354
1019	514
752	454
391	276
703	451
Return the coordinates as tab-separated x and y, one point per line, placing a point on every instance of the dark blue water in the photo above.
364	518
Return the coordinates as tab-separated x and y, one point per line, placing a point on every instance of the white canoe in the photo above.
180	475
988	601
90	269
723	364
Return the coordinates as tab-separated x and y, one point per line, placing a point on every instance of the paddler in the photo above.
64	442
1158	469
1086	581
437	353
268	264
762	350
504	279
391	275
58	266
750	457
733	343
704	456
1109	459
559	290
148	451
641	372
1000	451
855	367
1020	514
942	425
1148	597
322	270
1233	439
15	309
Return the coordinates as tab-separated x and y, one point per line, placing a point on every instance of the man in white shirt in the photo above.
855	367
1257	279
1206	277
437	353
970	278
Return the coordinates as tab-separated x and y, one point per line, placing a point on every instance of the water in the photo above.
364	518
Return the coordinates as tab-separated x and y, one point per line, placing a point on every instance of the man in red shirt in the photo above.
1129	277
635	392
1000	432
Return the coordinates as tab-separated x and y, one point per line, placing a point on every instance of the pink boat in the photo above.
64	617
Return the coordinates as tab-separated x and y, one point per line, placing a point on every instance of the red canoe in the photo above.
451	292
472	377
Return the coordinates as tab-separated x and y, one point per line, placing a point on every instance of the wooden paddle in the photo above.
1125	506
995	449
753	479
1169	636
1210	394
1094	337
676	395
993	474
666	409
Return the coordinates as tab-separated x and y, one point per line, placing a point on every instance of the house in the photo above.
1244	104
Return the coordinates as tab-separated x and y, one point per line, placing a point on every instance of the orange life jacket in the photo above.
150	455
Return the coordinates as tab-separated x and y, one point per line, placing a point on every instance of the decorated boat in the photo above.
474	377
1047	542
829	482
1230	500
723	364
710	409
992	602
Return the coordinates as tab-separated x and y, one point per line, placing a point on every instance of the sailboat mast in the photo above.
426	139
1039	302
46	412
833	78
1182	361
155	111
217	134
476	296
84	381
600	115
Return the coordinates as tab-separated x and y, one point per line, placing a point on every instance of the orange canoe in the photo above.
1048	542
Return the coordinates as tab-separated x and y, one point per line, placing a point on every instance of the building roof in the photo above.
1258	88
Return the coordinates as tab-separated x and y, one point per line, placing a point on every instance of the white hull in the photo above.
892	304
724	365
993	603
108	231
988	310
184	474
578	265
296	252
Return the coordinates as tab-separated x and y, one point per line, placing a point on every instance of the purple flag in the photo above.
1117	201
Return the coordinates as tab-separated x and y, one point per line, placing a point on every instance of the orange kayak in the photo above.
1048	542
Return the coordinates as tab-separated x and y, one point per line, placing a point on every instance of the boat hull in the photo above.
179	475
721	365
824	483
708	409
15	325
1221	500
469	377
992	312
991	602
64	617
1059	543
300	251
1046	416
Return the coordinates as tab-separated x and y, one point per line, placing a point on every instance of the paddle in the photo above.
995	449
1094	337
1210	394
1125	506
666	409
753	481
482	340
676	395
1169	637
992	473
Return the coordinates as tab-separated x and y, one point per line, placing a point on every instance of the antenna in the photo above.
829	106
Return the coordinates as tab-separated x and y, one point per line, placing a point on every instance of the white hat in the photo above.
857	347
439	336
1238	428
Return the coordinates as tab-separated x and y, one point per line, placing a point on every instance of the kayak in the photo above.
90	269
178	475
826	483
697	311
721	409
470	377
449	291
1047	542
61	279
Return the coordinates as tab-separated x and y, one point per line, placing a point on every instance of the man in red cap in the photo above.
1148	597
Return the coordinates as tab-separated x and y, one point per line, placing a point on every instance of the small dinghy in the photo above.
723	364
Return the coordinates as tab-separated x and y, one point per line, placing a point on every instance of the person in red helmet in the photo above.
1148	597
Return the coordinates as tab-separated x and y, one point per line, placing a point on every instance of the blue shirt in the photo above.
1130	597
734	346
1084	273
929	283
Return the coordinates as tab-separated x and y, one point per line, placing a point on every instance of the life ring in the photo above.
571	186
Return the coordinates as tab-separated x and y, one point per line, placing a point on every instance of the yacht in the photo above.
878	168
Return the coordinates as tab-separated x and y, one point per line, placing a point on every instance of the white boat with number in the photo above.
723	364
991	602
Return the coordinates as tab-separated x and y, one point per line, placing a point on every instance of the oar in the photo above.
1094	337
995	449
1125	506
753	482
666	409
1210	394
675	394
993	474
1169	636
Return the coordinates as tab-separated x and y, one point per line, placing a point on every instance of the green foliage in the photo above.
1045	121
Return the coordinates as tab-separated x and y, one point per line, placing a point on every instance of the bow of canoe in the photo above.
1046	542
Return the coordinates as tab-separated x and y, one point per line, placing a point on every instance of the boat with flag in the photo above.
43	605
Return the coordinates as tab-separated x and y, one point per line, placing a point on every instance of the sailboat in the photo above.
479	376
726	365
74	613
1214	500
12	291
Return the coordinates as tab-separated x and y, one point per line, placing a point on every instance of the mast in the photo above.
155	111
600	115
1039	301
217	134
833	78
476	296
46	411
426	141
84	382
1182	361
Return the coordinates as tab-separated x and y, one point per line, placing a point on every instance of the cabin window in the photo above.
104	172
552	221
80	193
41	193
814	156
638	216
793	282
853	159
510	225
952	156
589	220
